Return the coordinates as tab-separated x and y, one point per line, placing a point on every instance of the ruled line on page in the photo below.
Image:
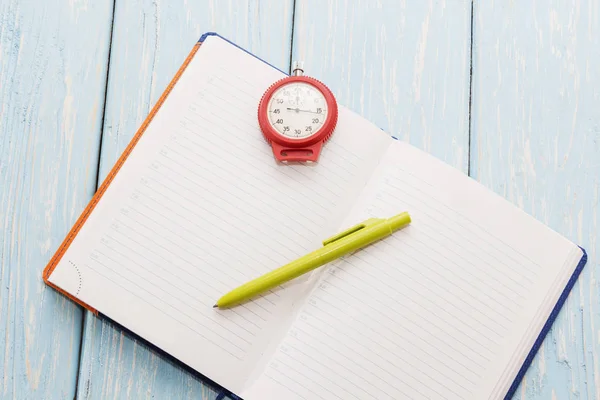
254	141
301	372
401	365
221	86
467	218
211	203
241	199
249	191
176	264
465	256
412	383
305	223
340	335
169	315
398	322
192	238
190	298
295	390
166	299
365	278
216	257
393	383
250	88
211	278
212	225
424	309
416	206
324	321
340	152
224	289
430	233
382	333
257	141
444	283
418	254
317	363
119	246
257	175
183	238
201	212
395	375
296	169
358	374
364	383
199	286
423	249
154	246
420	205
436	342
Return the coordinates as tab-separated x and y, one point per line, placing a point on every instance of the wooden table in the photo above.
507	91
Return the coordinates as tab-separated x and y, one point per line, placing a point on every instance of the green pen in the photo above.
352	239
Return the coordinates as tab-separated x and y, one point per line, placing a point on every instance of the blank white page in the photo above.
200	207
446	308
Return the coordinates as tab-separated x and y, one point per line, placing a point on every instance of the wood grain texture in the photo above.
150	41
536	141
53	62
404	65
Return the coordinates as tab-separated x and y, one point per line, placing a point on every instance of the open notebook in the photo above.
453	306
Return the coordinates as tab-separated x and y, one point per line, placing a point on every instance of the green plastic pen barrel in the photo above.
350	240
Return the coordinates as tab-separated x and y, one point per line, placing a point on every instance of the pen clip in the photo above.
354	229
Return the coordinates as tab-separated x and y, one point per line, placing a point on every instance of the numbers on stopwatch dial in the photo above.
297	110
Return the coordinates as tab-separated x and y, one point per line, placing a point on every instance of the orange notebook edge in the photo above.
110	177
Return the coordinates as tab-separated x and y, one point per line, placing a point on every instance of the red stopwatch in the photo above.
297	115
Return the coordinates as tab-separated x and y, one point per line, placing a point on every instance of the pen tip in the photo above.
215	306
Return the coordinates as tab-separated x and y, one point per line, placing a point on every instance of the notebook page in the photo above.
200	207
446	308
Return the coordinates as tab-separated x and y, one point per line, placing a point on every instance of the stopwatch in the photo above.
297	115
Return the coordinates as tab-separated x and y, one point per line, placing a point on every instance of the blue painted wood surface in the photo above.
531	132
404	65
535	140
53	63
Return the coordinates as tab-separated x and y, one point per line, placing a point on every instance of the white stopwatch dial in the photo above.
297	110
297	114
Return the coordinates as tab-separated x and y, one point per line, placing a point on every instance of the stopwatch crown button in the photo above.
298	68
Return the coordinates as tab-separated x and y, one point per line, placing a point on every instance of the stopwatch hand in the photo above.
299	110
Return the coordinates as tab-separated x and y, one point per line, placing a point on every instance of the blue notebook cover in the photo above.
224	393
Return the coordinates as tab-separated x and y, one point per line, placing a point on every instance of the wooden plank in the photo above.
150	41
53	62
536	141
404	65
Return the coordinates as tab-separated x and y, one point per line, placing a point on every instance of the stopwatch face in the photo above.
297	110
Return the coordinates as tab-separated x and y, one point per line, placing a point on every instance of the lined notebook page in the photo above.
201	207
440	310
